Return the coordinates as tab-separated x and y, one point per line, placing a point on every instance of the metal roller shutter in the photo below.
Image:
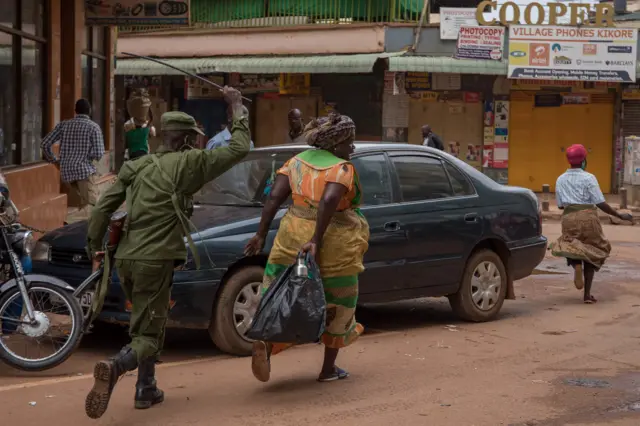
631	118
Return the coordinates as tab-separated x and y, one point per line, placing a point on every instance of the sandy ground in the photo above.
548	360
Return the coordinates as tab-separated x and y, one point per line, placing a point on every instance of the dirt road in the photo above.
549	360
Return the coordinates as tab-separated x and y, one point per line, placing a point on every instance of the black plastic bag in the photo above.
293	309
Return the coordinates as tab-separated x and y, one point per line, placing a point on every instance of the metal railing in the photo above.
282	13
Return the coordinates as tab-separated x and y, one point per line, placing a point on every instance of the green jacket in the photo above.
153	230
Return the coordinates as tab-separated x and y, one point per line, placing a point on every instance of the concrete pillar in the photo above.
545	197
72	44
624	202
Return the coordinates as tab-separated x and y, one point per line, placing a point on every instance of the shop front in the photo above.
48	59
546	117
565	90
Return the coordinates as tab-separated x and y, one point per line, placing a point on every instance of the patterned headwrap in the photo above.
331	131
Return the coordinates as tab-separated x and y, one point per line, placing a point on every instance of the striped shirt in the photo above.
81	143
575	186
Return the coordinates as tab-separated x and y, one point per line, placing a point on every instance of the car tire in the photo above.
484	270
222	328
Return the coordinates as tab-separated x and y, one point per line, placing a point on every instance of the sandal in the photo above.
260	361
590	300
338	374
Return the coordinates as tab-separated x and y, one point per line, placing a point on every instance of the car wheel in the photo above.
234	311
483	288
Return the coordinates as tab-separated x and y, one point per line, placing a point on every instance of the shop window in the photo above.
422	178
94	65
22	81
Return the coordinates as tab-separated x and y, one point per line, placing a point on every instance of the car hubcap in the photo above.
245	307
485	285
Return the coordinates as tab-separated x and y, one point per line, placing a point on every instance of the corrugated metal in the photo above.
330	64
447	65
631	118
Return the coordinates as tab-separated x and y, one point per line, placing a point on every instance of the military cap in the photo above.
176	120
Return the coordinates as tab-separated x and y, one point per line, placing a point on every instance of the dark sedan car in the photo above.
438	228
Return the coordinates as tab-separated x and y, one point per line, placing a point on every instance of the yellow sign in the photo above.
295	84
578	13
429	96
631	93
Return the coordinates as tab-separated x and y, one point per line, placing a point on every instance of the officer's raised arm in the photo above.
212	163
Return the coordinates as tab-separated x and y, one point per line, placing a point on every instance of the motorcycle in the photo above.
35	310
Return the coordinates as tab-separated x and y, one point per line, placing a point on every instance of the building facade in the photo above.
391	68
48	59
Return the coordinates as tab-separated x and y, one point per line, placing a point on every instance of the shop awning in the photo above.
447	65
329	64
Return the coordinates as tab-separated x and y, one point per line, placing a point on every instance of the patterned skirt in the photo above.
340	260
582	236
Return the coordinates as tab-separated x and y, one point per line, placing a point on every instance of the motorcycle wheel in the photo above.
65	319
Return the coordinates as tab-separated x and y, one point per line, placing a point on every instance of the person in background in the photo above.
325	221
137	137
294	136
582	242
81	144
223	137
161	188
430	139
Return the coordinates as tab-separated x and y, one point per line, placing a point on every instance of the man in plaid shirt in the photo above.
81	143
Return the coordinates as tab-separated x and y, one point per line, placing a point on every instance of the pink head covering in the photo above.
576	154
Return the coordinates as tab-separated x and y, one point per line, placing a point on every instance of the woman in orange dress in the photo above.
325	221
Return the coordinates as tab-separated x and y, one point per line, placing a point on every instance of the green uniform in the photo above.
158	189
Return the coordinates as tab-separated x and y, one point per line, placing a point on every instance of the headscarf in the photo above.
576	154
329	132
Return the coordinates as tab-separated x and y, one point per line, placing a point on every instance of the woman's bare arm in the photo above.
279	194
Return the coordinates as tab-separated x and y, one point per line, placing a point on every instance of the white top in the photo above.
575	186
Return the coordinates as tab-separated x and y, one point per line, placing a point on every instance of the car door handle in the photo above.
392	226
471	217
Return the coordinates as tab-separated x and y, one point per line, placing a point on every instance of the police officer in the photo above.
158	190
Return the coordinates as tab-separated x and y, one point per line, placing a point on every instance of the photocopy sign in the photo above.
566	53
136	12
452	18
480	43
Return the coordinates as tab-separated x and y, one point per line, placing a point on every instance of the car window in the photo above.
461	185
374	179
247	183
421	178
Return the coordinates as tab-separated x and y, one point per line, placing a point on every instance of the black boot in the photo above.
147	393
106	375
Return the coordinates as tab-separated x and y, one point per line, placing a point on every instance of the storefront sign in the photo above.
577	99
631	92
452	18
197	89
255	83
500	158
427	96
480	43
417	81
560	85
136	12
551	13
295	84
563	53
471	97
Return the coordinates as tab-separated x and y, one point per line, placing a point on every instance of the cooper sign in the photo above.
550	13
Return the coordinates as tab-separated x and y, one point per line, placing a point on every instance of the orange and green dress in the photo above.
343	245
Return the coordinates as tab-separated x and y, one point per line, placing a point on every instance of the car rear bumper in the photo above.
526	257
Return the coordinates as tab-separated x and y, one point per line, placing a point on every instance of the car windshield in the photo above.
247	183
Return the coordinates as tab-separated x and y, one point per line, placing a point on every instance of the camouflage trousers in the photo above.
147	284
